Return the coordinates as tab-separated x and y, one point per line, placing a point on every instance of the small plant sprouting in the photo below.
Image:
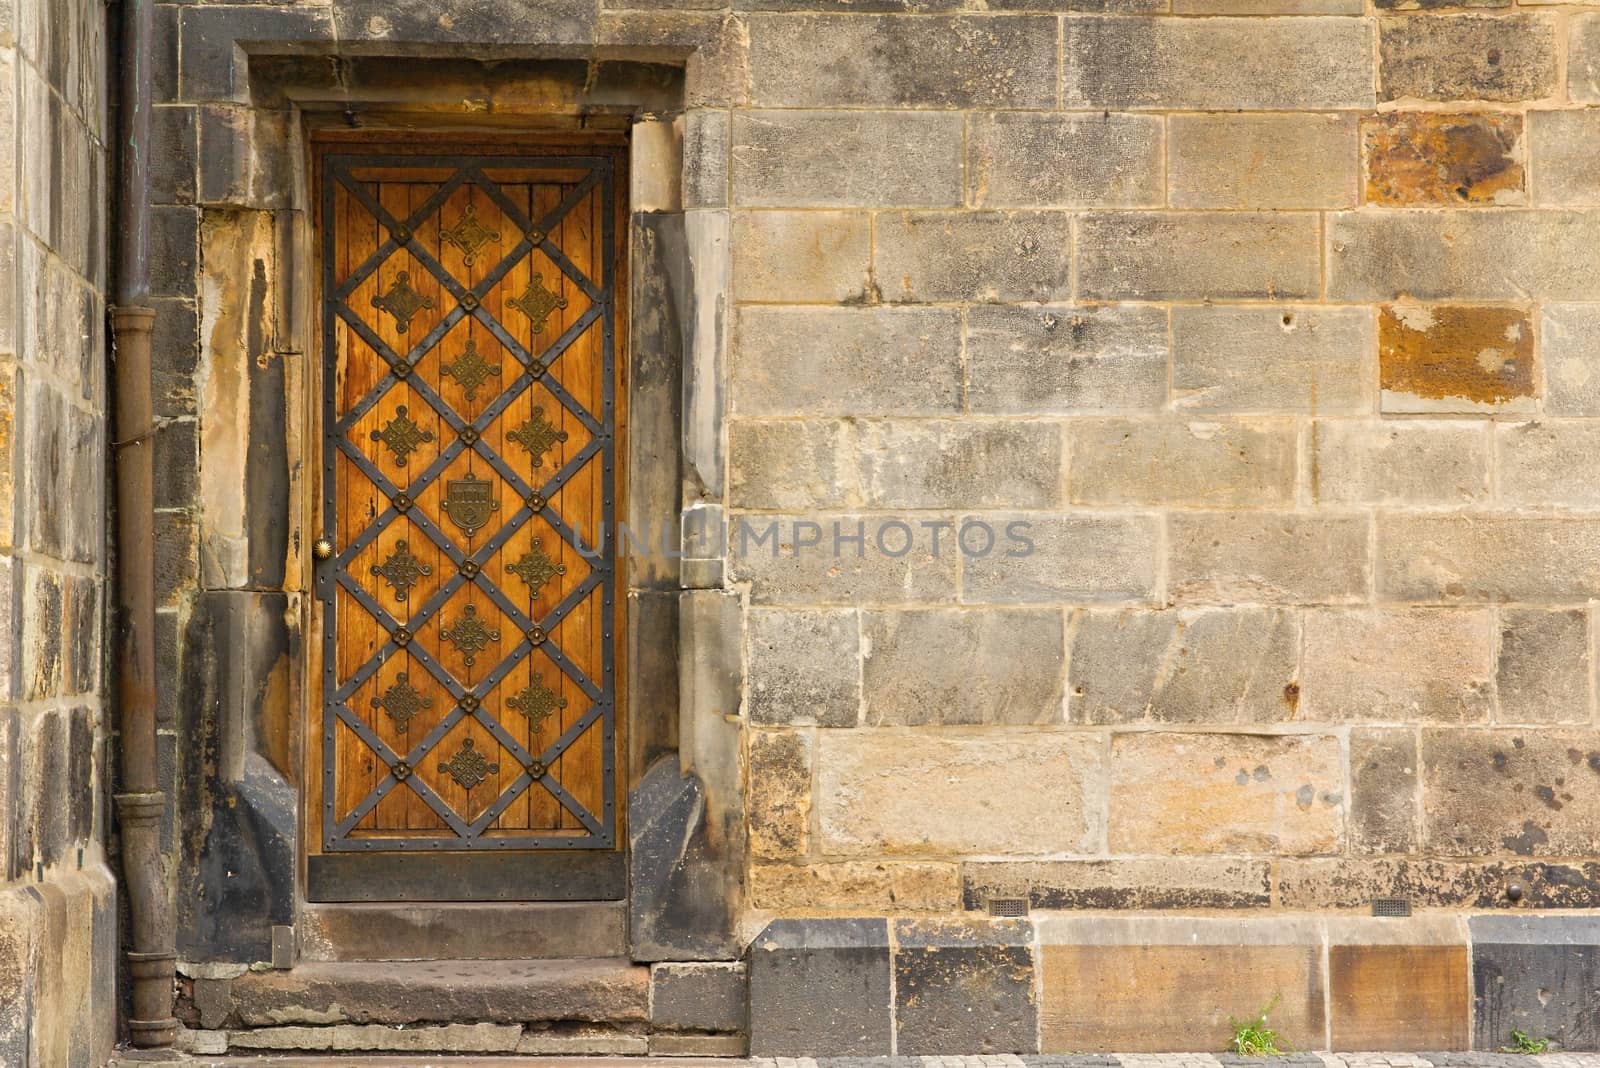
1522	1042
1254	1038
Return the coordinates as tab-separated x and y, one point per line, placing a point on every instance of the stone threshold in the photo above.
1007	1060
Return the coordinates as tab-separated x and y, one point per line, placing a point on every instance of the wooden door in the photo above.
465	745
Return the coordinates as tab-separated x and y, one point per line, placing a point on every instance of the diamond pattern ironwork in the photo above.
471	370
474	507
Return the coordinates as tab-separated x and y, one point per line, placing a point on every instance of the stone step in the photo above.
462	931
321	993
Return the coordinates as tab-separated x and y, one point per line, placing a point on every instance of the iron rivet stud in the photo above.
402	503
401	369
469	702
535	235
402	637
470	569
537	502
469	436
537	769
537	636
469	300
1514	892
402	235
401	770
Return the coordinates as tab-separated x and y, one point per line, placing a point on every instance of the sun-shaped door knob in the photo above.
323	549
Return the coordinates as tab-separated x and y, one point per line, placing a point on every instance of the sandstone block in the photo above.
1405	665
962	666
820	988
1383	790
854	361
973	256
1569	336
1237	463
581	1042
1217	64
1059	557
705	158
1060	358
1533	793
1399	462
1262	161
1545	667
939	61
1288	359
779	805
843	559
1036	159
1535	974
1549	464
1488	557
846	158
804	667
1455	358
1198	256
1266	7
1352	883
1583	58
1422	158
801	256
996	791
945	969
863	885
706	996
1128	883
775	463
1399	997
1226	793
1224	665
1468	57
1563	171
1281	558
1435	5
1511	255
959	463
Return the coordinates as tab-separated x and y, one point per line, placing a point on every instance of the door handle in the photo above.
322	549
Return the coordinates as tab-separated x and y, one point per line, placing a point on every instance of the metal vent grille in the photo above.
1391	906
1008	906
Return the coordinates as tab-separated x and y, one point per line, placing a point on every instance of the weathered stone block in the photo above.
1548	464
1217	64
1510	255
1404	665
1411	462
1352	883
778	808
802	256
1532	793
1169	984
999	792
805	667
1266	7
173	148
940	61
1383	790
846	361
699	997
1060	358
844	559
1545	666
1563	171
846	158
1225	665
567	22
1468	57
1226	793
1583	57
209	36
820	988
862	885
1569	336
954	666
1455	358
1423	158
1214	464
964	985
1262	161
1131	883
1288	359
1059	557
1035	159
973	256
787	463
1271	557
1536	974
959	463
1399	987
1488	557
706	162
1198	256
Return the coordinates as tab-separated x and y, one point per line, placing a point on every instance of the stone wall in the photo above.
58	912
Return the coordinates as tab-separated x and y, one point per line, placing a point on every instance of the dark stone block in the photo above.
41	632
213	37
163	50
169	659
174	233
237	861
172	155
83	624
51	824
18	745
177	462
699	997
820	988
964	987
1537	974
174	358
1110	884
267	489
81	794
501	22
177	557
684	891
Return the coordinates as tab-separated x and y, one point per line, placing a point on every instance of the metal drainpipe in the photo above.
152	956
